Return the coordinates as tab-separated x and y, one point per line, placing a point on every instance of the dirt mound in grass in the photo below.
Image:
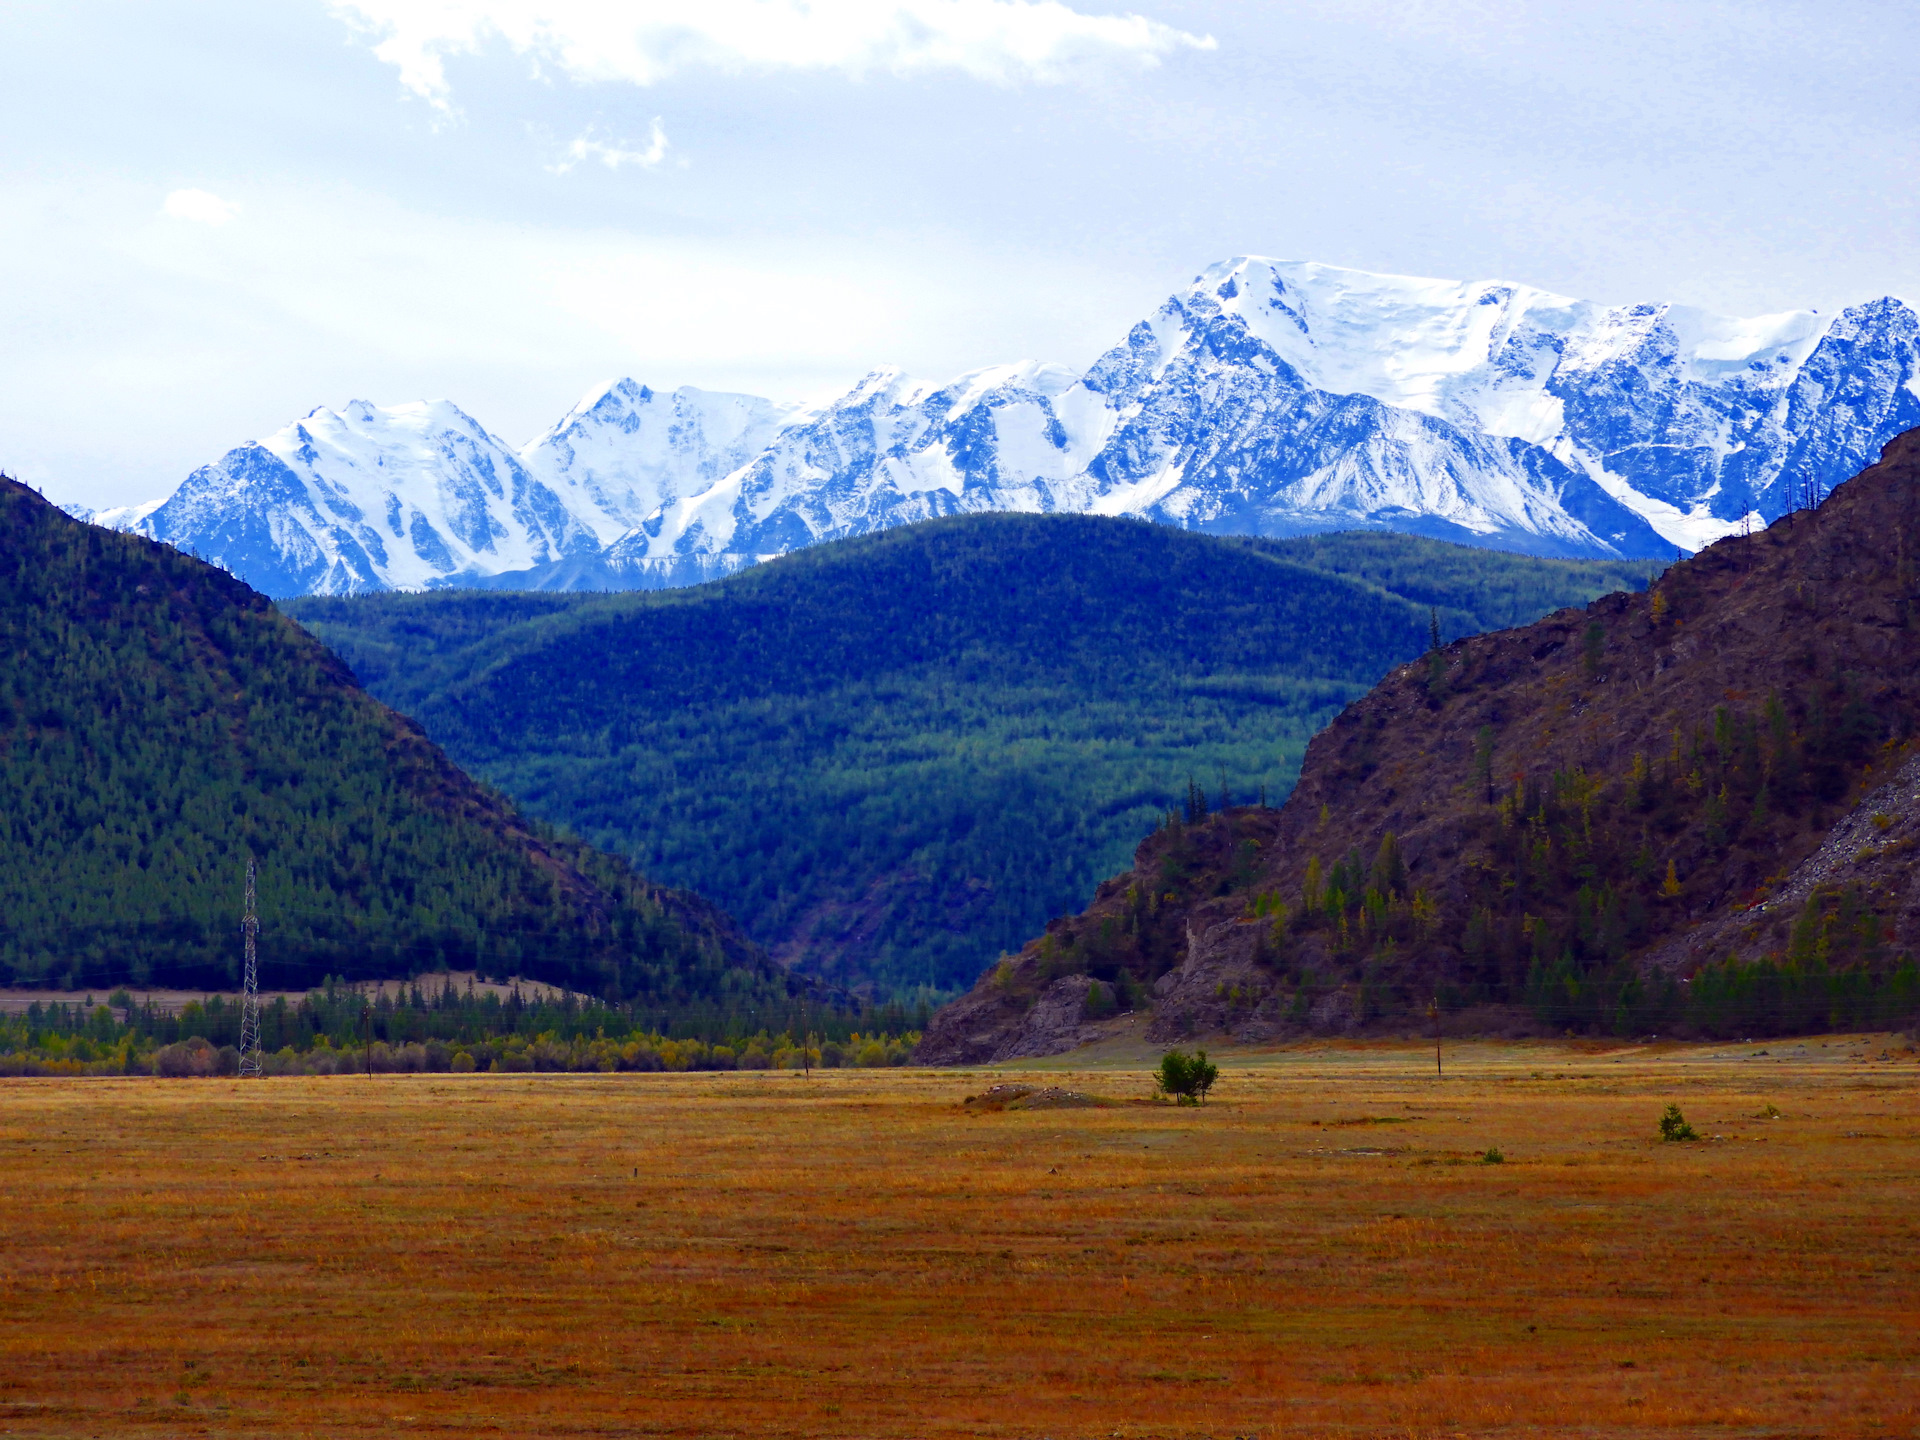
1032	1097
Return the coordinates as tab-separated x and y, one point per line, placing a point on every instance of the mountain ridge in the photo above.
1268	397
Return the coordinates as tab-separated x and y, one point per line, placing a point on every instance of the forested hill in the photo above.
1697	808
892	756
160	722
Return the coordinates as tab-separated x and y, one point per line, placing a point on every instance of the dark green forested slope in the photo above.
160	722
1474	590
892	756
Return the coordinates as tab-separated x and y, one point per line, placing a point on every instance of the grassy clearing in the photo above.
857	1254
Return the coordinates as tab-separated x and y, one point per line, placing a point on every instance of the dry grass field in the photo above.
1321	1251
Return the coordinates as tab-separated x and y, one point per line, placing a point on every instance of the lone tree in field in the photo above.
1186	1077
1674	1126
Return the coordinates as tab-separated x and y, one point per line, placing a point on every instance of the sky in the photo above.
218	216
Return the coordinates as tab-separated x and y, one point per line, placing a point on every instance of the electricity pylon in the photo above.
250	996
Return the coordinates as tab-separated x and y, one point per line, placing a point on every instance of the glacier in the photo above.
1269	397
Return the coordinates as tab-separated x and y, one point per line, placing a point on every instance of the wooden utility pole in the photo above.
1433	1010
366	1021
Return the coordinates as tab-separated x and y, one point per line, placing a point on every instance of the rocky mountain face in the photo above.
1697	807
1267	398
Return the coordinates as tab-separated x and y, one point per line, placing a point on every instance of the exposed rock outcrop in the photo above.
999	1024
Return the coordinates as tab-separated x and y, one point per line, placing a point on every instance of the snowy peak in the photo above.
115	517
626	450
369	498
1215	427
1269	396
1674	412
1436	345
1399	339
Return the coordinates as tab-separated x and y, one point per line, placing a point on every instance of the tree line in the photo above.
431	1027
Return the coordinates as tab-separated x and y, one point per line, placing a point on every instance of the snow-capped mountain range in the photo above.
1269	397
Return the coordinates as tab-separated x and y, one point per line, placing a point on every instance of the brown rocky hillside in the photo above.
1691	809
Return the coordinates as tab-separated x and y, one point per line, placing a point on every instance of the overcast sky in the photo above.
218	216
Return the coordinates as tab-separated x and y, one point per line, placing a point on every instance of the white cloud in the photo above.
199	206
613	154
643	41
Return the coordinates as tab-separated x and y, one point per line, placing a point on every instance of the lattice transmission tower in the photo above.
250	995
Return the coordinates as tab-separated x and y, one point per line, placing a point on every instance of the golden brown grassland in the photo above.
1321	1251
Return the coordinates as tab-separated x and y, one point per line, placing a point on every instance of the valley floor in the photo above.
1323	1250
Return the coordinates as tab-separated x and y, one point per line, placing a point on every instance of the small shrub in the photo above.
1674	1126
193	1057
1493	1156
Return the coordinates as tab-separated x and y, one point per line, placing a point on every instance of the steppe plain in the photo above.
1322	1250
